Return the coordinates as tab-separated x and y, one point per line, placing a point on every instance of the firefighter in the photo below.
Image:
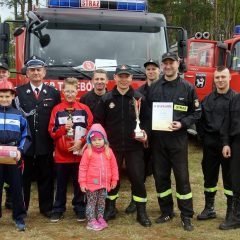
36	100
4	75
214	107
117	113
170	148
152	70
99	82
231	142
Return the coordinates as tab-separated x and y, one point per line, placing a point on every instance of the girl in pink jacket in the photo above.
98	173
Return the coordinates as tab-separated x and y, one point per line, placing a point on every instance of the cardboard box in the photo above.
8	154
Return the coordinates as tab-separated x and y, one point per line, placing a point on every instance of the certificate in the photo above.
162	116
8	155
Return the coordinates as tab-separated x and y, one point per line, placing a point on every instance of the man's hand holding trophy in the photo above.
140	134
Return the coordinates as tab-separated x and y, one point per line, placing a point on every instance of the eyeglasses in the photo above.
70	92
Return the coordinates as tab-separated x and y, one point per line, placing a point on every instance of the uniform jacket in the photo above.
48	97
14	129
115	112
82	116
90	99
215	107
187	109
96	170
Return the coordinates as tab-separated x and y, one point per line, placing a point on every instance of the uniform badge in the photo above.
196	103
111	105
28	91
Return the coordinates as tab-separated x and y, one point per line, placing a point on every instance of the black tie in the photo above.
37	92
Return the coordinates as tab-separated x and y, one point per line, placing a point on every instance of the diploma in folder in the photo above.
162	116
8	154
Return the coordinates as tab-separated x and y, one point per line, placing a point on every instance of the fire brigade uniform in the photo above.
116	113
231	136
90	99
38	159
170	149
214	108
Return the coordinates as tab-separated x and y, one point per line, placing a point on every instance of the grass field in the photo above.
125	226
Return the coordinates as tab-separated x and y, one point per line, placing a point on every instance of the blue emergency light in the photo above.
237	30
127	5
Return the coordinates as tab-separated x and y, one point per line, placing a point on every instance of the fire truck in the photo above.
205	55
75	37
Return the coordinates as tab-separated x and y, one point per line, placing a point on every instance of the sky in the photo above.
5	13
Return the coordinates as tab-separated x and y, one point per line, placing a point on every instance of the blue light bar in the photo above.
237	30
127	5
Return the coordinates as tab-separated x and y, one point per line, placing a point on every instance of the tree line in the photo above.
215	16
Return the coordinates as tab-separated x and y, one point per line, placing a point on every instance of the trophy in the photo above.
69	137
137	106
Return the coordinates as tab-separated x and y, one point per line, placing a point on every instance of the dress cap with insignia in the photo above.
151	61
4	65
170	55
35	62
123	69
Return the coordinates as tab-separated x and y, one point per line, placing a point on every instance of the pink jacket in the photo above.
96	171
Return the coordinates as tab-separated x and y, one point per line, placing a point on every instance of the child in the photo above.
66	118
13	132
98	173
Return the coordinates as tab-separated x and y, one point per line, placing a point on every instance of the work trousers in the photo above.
39	168
63	172
211	162
235	165
135	168
170	151
14	173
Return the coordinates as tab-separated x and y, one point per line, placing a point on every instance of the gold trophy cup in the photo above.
137	107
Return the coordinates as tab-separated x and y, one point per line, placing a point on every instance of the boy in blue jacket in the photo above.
13	132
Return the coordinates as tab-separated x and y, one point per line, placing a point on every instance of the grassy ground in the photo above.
125	226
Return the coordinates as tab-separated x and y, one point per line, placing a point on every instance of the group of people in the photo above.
89	140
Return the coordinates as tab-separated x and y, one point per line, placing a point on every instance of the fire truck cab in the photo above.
205	55
75	37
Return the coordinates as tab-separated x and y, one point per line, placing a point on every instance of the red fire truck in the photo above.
205	55
77	36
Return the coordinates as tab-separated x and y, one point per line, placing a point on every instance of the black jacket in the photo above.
38	112
187	109
117	115
215	107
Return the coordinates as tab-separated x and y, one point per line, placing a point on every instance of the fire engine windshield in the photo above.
104	47
201	54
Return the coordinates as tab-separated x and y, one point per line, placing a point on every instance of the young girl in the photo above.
98	173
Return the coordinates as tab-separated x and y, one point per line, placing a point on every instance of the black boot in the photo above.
131	208
229	214
208	212
186	223
110	209
8	201
233	221
142	216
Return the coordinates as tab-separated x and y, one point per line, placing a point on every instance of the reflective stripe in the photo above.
184	197
6	185
113	197
213	189
164	194
139	199
228	192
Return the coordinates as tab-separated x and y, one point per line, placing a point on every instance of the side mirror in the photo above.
228	59
182	43
4	38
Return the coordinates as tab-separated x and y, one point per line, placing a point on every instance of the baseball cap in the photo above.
170	55
6	85
4	65
123	69
151	61
35	62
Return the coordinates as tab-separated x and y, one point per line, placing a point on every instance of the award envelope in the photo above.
8	154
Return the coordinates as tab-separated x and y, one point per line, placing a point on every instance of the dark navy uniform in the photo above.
214	108
39	158
170	149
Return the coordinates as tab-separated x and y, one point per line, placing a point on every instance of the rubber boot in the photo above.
131	208
8	201
142	216
208	212
110	209
233	221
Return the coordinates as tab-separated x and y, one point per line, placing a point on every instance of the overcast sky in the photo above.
5	13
